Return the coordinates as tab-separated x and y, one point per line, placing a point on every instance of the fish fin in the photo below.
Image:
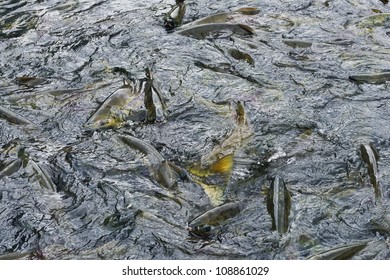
223	165
214	192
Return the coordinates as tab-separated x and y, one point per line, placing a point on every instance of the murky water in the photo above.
68	192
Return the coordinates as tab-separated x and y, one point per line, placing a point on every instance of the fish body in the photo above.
11	168
279	204
216	215
297	43
371	78
239	55
175	16
42	176
120	100
215	30
14	117
343	252
223	17
159	165
220	160
30	81
148	102
370	156
151	89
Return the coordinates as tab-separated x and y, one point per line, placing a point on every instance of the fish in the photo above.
148	101
42	176
215	30
14	117
30	81
11	168
216	215
241	115
160	167
371	78
213	179
175	16
119	100
239	55
150	89
224	17
221	159
231	144
16	255
297	43
343	252
370	157
214	170
279	205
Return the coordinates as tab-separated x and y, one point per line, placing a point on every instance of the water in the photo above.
307	118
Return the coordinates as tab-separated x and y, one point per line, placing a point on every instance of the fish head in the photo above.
169	23
201	231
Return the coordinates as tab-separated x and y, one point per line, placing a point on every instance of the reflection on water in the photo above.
313	79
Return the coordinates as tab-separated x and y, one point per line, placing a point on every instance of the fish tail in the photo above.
223	165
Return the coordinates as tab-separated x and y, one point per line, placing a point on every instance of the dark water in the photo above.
69	193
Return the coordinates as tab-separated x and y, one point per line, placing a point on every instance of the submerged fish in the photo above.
297	43
370	156
215	30
159	165
43	176
217	215
16	255
30	81
14	117
148	101
214	178
11	168
279	204
117	106
214	170
343	252
239	55
241	115
371	78
231	144
175	16
224	17
201	225
153	112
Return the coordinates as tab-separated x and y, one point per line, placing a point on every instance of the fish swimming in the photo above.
223	17
153	112
14	117
370	156
343	252
160	167
175	16
279	204
201	225
371	78
117	105
217	215
215	30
